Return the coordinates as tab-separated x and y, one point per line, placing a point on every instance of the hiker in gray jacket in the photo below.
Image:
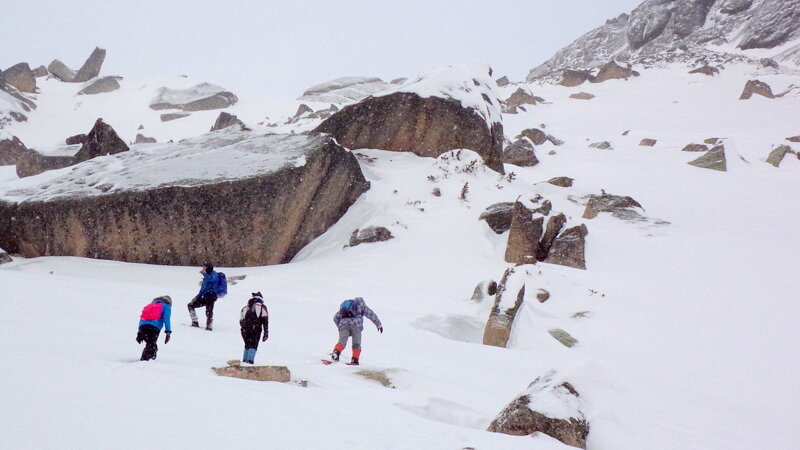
350	322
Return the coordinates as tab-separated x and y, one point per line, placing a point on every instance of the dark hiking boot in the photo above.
208	325
354	362
335	355
196	324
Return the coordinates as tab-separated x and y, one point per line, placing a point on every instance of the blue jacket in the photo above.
166	313
210	281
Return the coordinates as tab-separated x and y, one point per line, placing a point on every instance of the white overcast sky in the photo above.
279	48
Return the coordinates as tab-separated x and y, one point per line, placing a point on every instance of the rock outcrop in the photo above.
61	71
34	163
518	98
464	114
12	150
102	140
520	417
618	205
273	195
612	71
91	68
76	139
368	235
202	97
572	78
225	120
101	86
777	154
756	87
554	226
280	374
501	318
20	76
714	159
498	216
523	239
520	153
503	81
569	248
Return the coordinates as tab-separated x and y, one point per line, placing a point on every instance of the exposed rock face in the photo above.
20	76
4	257
714	159
706	70
561	181
102	140
77	139
346	89
101	86
569	248
503	81
498	216
572	78
225	120
61	71
520	153
563	337
695	148
777	154
793	138
523	239
554	226
603	145
501	318
203	97
370	234
406	122
11	151
285	191
647	142
142	139
756	87
537	136
582	96
34	163
520	417
521	97
280	374
612	71
91	68
618	205
40	71
173	116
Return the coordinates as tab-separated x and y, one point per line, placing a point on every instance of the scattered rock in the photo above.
582	96
706	70
569	248
141	127
524	235
618	205
756	87
369	234
793	138
202	97
12	150
40	71
225	120
612	71
561	181
280	374
498	216
520	418
520	153
91	68
603	145
563	337
484	289
101	85
75	140
521	97
543	295
571	78
581	315
21	77
647	142
142	139
625	133
544	209
554	226
769	62
777	154
537	136
501	318
711	141
102	140
714	159
695	148
173	116
61	71
502	81
436	192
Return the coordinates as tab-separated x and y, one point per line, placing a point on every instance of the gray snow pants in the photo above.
345	332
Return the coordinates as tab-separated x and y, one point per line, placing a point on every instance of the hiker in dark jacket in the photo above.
154	316
350	322
206	297
253	318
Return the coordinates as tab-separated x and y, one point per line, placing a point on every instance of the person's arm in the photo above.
166	316
265	321
370	314
337	318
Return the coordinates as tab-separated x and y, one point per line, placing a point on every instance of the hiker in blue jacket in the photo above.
206	297
350	322
154	316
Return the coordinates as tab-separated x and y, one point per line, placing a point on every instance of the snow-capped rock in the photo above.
201	97
344	90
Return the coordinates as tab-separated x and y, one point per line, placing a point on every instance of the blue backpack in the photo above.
348	308
222	285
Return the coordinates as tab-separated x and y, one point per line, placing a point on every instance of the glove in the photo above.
265	337
139	338
169	335
380	329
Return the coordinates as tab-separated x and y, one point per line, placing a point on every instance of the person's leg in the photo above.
209	300
251	337
356	333
195	303
344	335
150	335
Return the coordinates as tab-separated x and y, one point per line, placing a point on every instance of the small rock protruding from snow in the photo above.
537	136
501	318
569	248
714	159
225	120
602	145
483	290
142	139
563	337
777	154
550	405
4	257
173	116
756	87
102	140
561	181
518	98
618	205
234	369
524	235
572	78
520	153
554	226
612	71
648	142
793	138
368	235
498	216
543	295
40	71
100	85
706	70
78	139
202	97
695	148
582	96
503	81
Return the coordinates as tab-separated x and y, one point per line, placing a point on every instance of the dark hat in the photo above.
208	266
166	299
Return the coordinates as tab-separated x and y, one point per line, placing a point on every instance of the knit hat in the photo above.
208	266
166	298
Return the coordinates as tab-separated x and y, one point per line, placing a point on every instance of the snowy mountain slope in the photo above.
689	340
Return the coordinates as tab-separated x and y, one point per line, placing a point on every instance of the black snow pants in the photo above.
148	334
207	301
251	336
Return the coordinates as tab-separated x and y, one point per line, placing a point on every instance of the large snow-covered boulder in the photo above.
202	97
239	198
550	405
344	90
452	108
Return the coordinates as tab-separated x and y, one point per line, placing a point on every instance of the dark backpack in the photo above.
250	318
222	285
348	308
